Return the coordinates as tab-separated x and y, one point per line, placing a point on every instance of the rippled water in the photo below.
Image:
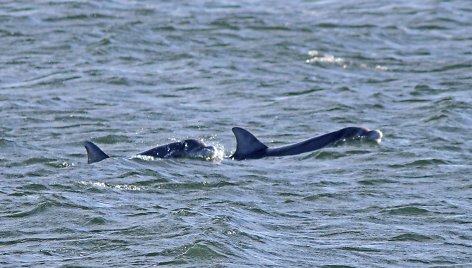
133	74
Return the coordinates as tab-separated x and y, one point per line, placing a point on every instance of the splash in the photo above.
214	152
316	57
144	157
126	187
219	153
381	68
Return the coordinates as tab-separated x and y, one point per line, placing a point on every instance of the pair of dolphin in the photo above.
247	146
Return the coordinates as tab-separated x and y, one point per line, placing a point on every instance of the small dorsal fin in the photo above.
94	153
247	145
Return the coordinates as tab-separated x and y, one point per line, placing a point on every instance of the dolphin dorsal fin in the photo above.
94	153
247	145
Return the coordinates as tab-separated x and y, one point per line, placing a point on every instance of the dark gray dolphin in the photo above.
249	147
186	148
94	154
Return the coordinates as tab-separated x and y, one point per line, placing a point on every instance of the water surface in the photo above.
130	75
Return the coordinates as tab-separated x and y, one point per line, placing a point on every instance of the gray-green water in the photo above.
133	74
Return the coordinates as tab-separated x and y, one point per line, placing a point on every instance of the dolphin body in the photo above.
249	147
187	148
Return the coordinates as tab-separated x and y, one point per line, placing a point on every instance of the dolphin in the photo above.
187	148
249	147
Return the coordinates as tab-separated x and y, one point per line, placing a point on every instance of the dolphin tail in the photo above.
247	145
94	153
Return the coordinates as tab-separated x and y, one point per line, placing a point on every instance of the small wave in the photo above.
407	211
36	210
437	117
111	139
322	196
183	212
324	155
79	17
6	143
360	249
125	187
369	182
381	68
34	187
317	57
63	164
422	90
97	221
302	92
38	160
144	157
45	204
199	250
422	163
411	237
197	185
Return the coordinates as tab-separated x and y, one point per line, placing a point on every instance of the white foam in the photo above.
313	53
126	187
326	59
318	57
143	157
219	153
381	68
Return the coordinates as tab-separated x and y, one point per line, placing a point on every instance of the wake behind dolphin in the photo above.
249	147
187	148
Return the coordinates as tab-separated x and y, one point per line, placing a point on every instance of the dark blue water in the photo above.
130	75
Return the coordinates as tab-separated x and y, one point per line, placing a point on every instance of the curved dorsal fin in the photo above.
94	153
247	145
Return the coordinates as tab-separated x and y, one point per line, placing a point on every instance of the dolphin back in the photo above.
94	153
318	142
247	145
